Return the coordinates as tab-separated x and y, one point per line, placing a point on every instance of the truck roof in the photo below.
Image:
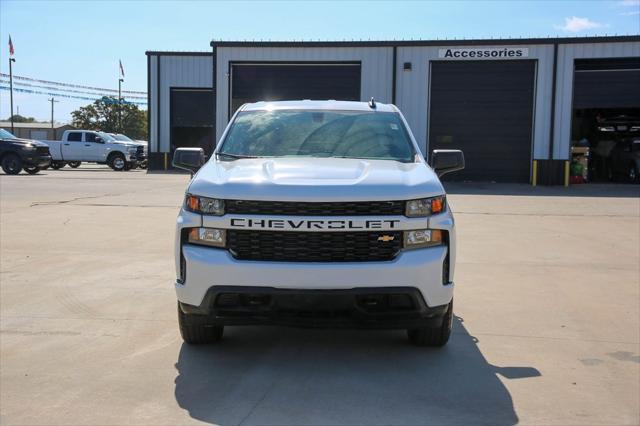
318	105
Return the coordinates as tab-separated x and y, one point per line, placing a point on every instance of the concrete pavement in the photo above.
547	327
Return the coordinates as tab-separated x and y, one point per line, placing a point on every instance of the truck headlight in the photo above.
423	238
204	205
208	237
425	206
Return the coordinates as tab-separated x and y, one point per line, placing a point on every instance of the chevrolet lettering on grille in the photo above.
303	224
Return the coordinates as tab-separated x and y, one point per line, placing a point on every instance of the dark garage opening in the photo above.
484	108
192	119
605	131
252	82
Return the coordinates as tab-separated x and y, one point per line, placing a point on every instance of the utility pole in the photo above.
120	80
11	61
53	130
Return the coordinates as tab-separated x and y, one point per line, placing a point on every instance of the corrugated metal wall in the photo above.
412	95
153	103
564	84
377	68
175	71
413	91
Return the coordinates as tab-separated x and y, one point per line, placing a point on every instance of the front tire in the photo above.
32	170
12	164
195	329
433	336
74	164
117	162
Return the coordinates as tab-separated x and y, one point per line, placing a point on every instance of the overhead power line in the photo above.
77	86
20	83
62	95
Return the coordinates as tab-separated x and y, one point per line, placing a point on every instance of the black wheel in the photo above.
143	164
74	164
12	164
632	174
117	162
196	330
57	165
436	336
32	170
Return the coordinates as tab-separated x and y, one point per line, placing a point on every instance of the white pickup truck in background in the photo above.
79	146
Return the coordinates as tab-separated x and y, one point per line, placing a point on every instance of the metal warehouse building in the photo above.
513	106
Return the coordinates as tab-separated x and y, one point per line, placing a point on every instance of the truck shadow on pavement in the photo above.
283	376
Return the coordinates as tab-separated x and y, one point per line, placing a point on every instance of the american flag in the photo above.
11	51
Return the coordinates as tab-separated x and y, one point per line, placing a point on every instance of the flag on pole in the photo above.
11	51
121	68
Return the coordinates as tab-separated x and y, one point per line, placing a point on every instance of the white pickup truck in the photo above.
316	213
79	146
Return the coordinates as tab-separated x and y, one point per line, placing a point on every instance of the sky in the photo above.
81	42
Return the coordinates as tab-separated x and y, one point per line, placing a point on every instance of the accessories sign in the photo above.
484	53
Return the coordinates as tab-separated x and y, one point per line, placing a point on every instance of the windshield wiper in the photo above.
234	156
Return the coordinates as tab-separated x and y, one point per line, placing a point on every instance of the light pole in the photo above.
120	80
11	60
53	130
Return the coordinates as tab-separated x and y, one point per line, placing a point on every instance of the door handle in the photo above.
66	144
87	144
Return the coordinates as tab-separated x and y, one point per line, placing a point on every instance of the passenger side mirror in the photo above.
98	139
190	159
445	161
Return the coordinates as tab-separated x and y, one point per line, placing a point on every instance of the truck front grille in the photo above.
43	150
293	208
314	246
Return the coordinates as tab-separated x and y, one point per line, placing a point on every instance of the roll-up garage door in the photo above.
607	83
252	82
484	108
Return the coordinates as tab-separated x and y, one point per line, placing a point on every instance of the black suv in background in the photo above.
17	154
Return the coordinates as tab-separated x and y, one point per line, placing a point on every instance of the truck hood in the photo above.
18	141
125	144
315	179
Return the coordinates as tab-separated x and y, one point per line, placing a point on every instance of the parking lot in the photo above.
547	327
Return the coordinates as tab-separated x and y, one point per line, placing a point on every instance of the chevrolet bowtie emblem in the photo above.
386	238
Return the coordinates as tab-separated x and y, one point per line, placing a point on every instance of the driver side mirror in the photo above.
190	159
98	139
445	161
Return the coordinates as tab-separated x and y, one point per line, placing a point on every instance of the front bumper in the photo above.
208	267
36	160
384	307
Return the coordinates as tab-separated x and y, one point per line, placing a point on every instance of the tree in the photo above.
17	118
103	115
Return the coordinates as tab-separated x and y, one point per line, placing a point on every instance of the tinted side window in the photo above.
90	137
74	137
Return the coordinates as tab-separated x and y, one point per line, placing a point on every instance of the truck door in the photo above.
91	147
72	147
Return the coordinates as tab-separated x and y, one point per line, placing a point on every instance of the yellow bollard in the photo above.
566	173
534	179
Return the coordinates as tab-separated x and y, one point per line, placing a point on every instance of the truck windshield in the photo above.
106	137
311	133
6	135
121	137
